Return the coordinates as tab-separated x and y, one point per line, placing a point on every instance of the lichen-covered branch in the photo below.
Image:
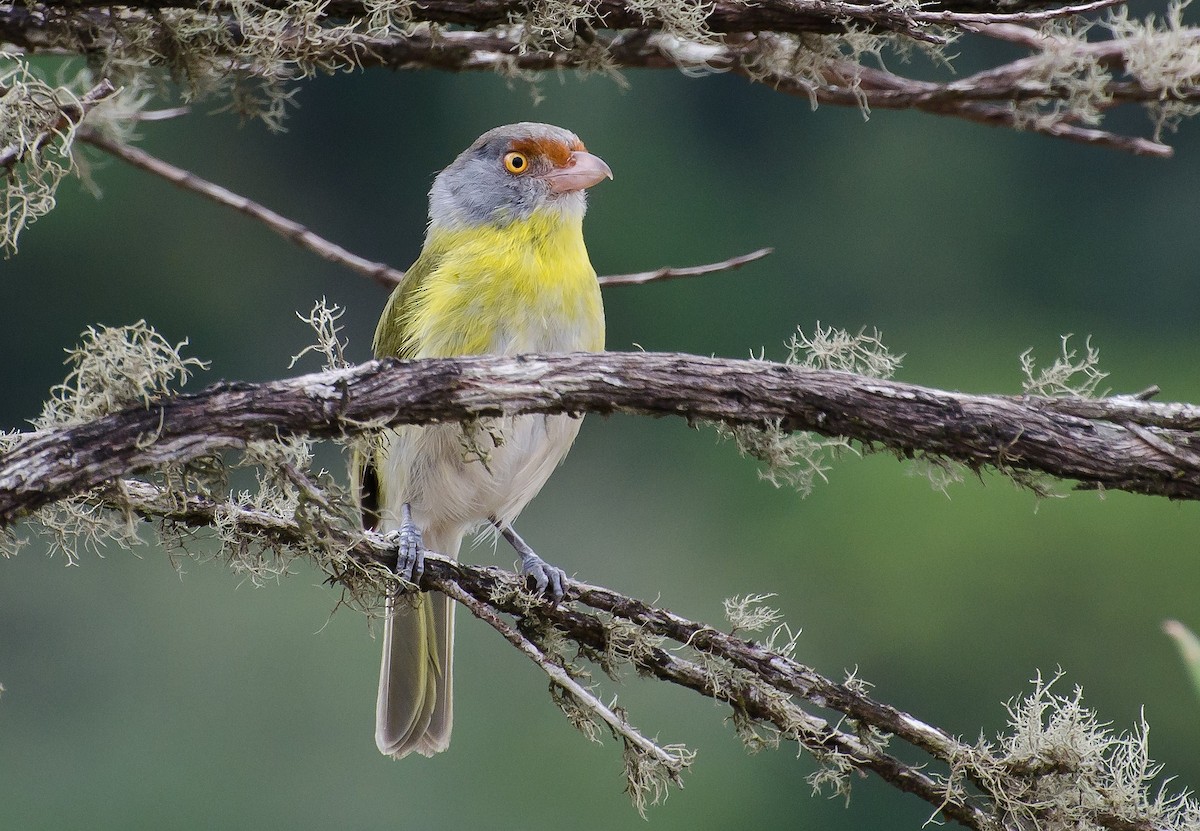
60	116
115	457
37	125
1010	783
1090	441
819	49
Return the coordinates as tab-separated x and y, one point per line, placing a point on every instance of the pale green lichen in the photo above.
796	460
580	717
1075	82
838	350
648	778
554	23
113	368
753	734
749	613
133	366
384	18
1071	375
324	319
35	144
683	19
800	459
1161	56
1060	767
813	61
940	473
87	524
625	643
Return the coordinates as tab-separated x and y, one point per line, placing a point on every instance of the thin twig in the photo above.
1014	17
972	99
289	229
673	763
671	273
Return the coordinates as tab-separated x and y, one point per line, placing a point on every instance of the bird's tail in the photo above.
414	710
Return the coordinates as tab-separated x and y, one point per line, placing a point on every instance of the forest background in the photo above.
141	693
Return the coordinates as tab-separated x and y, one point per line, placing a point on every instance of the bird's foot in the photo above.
410	549
548	580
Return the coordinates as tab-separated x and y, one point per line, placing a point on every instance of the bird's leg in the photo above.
410	549
549	580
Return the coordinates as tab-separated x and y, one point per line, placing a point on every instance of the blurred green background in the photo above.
138	696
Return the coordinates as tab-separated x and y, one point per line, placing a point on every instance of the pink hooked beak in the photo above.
581	170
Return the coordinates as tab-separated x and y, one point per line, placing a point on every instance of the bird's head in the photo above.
513	172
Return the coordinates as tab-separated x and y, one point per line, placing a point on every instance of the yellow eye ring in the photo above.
516	163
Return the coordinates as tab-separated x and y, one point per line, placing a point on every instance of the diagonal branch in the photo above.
761	685
491	592
288	229
672	273
672	762
1084	440
381	273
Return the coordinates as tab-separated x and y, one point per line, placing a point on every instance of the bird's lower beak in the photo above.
581	171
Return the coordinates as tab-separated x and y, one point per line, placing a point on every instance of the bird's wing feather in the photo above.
392	336
391	339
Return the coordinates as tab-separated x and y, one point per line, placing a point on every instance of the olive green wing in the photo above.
391	335
390	342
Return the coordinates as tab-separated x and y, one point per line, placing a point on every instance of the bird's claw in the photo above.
548	580
410	550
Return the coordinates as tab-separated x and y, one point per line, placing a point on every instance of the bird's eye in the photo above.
515	163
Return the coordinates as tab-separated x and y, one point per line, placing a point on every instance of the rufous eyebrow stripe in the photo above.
556	151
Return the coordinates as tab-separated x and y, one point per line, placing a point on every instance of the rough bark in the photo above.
1060	90
1122	443
763	685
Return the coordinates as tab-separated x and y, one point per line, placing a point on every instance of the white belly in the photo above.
455	478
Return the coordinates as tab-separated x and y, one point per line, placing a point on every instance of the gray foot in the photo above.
410	550
548	580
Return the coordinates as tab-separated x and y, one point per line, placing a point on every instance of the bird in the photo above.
503	271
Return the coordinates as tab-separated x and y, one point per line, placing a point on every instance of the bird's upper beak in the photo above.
581	170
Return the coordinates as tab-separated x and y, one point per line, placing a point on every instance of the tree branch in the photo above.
289	229
764	686
673	273
988	98
1084	440
1060	91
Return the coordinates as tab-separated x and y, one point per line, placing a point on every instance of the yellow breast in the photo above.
524	287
